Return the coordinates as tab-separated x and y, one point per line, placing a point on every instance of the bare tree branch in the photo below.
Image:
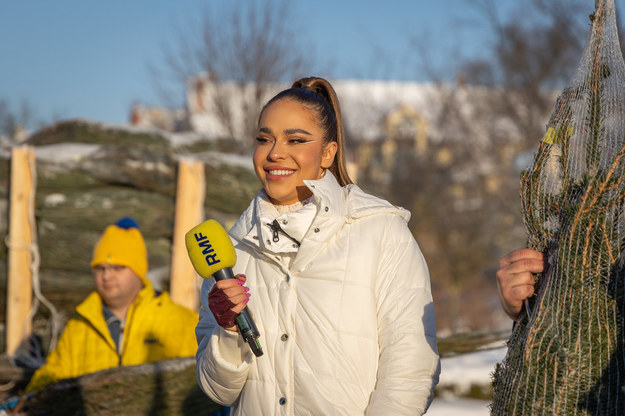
250	45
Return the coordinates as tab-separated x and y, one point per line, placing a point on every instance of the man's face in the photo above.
117	285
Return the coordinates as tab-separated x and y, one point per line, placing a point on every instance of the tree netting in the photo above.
565	355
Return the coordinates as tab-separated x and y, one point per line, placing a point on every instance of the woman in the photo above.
340	291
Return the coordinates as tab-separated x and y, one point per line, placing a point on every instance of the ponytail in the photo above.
318	94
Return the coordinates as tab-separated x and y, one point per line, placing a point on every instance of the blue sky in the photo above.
90	59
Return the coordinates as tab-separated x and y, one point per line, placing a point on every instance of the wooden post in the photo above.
189	212
19	285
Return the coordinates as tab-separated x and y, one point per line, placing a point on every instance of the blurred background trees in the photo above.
464	191
251	46
15	120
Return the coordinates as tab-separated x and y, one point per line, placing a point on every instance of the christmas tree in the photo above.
566	356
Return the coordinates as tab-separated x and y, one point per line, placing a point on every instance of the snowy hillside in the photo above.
462	372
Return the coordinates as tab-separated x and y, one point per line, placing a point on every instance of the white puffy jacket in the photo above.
346	320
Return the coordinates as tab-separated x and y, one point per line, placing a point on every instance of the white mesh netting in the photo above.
566	357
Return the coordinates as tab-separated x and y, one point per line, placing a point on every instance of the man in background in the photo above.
125	321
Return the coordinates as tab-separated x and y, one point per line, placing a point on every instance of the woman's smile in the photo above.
278	173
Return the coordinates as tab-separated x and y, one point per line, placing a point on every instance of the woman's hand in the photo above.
515	278
226	300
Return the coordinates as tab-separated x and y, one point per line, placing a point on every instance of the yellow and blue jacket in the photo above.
156	328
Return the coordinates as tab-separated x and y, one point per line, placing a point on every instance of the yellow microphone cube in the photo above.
210	248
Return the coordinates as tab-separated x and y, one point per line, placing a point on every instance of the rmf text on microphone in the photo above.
207	249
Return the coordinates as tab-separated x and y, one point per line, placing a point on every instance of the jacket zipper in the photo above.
275	227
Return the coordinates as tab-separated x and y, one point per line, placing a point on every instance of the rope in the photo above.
38	298
36	261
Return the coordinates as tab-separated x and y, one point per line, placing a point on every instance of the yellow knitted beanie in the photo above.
123	244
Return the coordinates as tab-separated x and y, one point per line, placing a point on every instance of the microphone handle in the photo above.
247	327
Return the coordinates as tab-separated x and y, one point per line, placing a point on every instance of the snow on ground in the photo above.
458	407
472	368
244	161
65	152
462	371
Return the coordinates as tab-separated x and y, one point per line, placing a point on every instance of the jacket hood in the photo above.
350	200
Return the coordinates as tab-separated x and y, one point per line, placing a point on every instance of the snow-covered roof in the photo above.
366	105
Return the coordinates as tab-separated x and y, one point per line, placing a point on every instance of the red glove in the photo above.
221	303
221	307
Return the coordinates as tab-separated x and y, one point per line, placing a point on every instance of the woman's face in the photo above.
289	150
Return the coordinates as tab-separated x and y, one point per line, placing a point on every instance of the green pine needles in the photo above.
570	358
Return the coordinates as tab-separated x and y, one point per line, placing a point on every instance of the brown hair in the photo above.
318	95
